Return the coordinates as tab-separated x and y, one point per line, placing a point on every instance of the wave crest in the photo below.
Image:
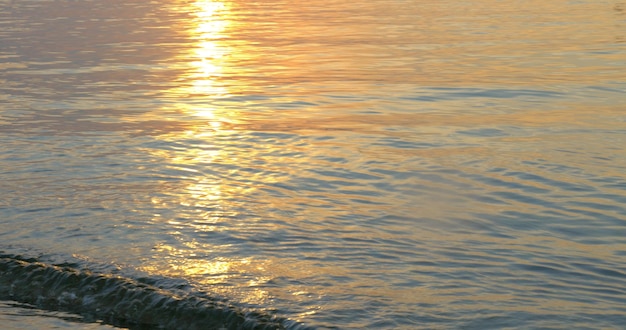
122	301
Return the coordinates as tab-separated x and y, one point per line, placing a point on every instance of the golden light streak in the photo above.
209	53
206	197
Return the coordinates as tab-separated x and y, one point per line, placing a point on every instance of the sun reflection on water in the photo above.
216	273
201	82
206	199
211	20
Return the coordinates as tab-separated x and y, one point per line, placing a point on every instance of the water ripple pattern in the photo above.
367	164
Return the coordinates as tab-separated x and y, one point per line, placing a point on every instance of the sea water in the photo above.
383	164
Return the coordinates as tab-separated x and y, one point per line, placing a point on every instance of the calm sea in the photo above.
381	164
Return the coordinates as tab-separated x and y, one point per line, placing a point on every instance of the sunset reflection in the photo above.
201	86
200	83
215	272
206	201
208	55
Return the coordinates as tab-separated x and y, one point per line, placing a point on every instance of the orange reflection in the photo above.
207	197
209	53
219	273
205	61
201	83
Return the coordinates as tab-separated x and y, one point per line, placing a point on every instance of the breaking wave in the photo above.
121	301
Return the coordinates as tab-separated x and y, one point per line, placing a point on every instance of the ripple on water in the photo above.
403	166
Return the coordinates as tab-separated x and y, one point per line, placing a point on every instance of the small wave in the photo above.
122	301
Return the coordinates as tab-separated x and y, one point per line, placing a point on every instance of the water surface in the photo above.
370	164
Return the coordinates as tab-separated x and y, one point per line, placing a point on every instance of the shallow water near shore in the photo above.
266	165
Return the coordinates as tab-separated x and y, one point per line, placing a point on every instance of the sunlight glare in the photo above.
209	52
